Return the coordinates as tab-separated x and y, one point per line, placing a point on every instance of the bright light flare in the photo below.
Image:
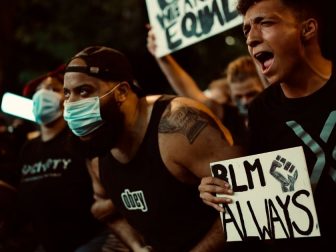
18	106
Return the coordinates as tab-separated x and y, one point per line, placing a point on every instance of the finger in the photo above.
215	206
151	35
214	189
215	181
148	26
151	47
214	199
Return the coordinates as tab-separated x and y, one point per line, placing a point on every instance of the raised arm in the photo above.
181	82
104	210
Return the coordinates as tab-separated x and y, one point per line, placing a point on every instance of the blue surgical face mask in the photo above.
46	106
83	116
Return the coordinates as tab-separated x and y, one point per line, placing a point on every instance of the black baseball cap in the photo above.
107	64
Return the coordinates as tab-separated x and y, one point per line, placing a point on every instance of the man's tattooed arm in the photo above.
186	121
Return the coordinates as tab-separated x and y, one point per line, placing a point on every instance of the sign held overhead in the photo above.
180	23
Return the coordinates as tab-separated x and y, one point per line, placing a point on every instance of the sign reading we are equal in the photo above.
180	23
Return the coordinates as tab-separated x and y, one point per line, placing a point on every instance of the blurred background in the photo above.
38	35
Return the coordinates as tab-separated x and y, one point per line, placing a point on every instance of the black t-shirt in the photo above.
277	122
56	194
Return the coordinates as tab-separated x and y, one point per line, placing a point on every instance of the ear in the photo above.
309	29
122	91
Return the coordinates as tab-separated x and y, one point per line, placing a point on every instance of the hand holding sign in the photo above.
151	43
215	186
272	196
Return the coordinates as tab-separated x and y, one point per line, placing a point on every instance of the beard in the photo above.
102	140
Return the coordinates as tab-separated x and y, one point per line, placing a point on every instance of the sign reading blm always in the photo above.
272	196
179	23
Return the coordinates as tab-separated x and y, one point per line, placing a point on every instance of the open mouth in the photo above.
265	59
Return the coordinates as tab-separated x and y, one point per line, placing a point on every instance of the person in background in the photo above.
55	191
152	153
244	82
219	91
299	106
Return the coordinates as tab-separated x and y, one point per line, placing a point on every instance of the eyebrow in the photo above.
255	20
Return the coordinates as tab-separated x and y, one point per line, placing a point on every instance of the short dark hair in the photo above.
320	10
304	8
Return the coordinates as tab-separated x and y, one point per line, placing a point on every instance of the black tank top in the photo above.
168	213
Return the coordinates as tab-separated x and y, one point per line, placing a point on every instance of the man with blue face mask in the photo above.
55	191
153	151
84	116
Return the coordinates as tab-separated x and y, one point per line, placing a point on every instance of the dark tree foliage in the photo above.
47	33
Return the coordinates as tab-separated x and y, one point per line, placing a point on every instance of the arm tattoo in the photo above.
186	121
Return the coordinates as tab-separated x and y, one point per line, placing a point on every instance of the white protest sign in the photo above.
272	196
180	23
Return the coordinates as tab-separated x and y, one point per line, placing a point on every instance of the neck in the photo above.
50	131
322	69
134	130
134	120
310	77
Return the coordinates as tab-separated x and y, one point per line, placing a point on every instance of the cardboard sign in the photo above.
272	196
180	23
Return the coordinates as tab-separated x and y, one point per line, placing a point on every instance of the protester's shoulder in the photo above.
270	94
188	103
174	100
29	143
